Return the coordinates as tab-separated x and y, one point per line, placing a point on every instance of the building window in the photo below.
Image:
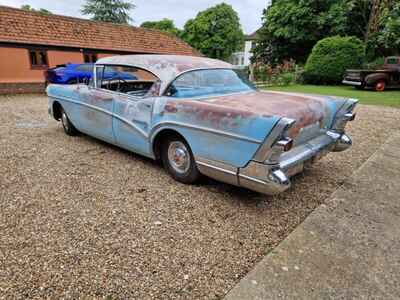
38	58
89	57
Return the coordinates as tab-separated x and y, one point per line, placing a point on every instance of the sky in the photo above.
180	11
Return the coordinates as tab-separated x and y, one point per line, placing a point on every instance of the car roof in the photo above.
165	67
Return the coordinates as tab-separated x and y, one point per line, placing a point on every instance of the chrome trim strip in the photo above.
252	179
216	168
136	128
205	129
157	126
139	130
356	83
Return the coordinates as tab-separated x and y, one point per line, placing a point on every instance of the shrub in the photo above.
287	78
330	58
282	74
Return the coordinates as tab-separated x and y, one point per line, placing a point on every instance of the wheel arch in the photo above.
160	136
57	109
374	78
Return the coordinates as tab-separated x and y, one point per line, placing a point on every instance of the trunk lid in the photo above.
313	114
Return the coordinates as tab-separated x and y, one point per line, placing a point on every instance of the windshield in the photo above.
208	82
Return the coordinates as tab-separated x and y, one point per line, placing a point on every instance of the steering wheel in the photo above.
120	80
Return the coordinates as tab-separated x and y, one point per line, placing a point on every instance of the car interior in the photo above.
127	80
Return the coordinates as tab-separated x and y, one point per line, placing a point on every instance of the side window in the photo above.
392	61
89	57
38	59
127	80
207	82
99	75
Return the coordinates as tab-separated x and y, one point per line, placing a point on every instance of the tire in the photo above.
69	128
178	160
380	86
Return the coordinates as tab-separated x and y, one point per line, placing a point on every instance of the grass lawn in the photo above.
387	98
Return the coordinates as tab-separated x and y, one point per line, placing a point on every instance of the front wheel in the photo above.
178	160
69	128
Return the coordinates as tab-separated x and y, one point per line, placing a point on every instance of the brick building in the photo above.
31	42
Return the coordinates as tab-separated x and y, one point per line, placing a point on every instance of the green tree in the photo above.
215	32
292	27
388	36
40	10
165	25
114	11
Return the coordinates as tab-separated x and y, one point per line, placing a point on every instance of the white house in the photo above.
242	58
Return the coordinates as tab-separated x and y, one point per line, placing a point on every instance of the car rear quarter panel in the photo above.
223	134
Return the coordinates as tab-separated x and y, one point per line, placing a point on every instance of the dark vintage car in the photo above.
386	77
198	116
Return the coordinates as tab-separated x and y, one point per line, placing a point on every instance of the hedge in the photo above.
330	58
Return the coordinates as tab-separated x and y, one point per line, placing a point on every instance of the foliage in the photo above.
282	74
389	37
292	27
165	25
114	11
331	57
216	32
375	64
40	10
387	98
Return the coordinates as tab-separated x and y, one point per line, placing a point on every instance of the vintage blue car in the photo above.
198	116
75	73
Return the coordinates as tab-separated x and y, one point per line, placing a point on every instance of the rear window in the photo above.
392	61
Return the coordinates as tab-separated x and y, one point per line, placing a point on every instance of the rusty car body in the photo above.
200	117
387	76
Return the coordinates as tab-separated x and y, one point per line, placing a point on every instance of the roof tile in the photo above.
21	26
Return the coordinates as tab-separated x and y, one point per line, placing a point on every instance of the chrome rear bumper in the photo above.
274	179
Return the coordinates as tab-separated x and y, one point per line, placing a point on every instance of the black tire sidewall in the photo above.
71	130
192	175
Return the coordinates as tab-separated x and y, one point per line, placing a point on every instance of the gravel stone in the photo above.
81	219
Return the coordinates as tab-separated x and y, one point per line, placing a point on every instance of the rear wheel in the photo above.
69	128
178	160
380	86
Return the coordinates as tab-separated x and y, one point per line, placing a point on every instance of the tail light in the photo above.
285	144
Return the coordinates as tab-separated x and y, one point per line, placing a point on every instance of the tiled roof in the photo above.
25	27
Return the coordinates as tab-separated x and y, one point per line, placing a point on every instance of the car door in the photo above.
133	108
97	108
131	122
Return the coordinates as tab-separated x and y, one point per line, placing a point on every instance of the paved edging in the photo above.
347	248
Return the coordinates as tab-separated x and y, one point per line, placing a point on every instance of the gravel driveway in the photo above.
83	219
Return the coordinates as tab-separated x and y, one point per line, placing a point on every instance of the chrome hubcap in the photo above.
179	157
64	120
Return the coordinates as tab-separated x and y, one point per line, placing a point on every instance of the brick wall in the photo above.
21	88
